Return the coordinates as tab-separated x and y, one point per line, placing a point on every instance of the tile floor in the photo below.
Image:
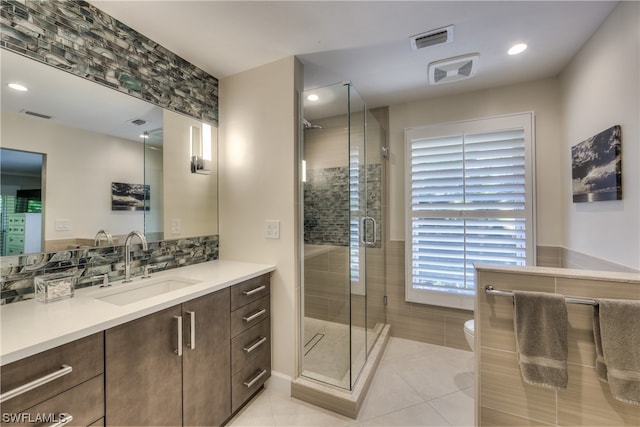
416	384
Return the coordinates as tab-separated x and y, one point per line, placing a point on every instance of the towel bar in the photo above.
492	291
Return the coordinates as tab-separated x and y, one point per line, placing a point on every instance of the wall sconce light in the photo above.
201	155
304	171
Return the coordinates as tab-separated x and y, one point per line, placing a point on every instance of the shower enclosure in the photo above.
343	273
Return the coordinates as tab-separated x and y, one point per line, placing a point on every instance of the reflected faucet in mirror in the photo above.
100	234
127	252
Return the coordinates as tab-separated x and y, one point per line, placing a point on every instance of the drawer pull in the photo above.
192	330
65	418
178	350
64	370
254	315
257	343
254	291
255	379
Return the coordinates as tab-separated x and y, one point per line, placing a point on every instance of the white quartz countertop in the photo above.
30	327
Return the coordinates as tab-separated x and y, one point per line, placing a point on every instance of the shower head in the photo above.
309	126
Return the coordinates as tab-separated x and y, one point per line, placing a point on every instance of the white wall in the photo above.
258	154
600	88
541	97
80	167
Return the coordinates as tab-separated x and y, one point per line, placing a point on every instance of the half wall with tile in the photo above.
502	397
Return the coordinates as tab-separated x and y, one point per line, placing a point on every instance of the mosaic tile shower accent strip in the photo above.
77	37
89	265
327	203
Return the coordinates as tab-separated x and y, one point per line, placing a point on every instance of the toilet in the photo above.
468	332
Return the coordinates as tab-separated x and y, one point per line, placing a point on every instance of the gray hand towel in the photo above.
540	321
616	332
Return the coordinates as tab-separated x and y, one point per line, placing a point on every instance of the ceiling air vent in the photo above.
137	122
453	69
432	38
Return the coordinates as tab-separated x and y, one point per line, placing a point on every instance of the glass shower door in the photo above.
357	234
341	215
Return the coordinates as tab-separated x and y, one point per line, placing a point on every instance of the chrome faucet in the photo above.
106	234
127	252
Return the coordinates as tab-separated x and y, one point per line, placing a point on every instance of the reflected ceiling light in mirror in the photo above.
517	48
18	87
313	97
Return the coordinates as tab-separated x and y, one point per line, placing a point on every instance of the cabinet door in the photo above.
206	367
143	372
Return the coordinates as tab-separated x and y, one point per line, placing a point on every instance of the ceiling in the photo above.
367	42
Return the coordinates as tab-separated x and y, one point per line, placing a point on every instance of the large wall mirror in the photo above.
77	157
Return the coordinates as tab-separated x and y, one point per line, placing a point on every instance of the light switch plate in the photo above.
272	229
63	224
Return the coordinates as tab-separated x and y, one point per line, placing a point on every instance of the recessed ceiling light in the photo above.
516	49
313	97
17	86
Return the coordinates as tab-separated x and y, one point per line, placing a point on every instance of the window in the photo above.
469	190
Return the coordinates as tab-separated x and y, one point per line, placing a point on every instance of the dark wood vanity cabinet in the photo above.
171	367
193	364
68	380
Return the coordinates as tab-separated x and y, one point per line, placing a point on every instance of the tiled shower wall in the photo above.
327	202
76	37
89	265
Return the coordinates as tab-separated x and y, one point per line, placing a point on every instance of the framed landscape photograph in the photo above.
129	197
596	167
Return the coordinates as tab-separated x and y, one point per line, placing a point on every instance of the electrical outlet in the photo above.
176	226
272	229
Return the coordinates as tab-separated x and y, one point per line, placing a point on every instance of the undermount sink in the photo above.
130	293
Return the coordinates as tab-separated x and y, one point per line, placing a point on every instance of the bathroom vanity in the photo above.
188	346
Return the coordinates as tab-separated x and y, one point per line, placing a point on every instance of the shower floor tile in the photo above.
394	398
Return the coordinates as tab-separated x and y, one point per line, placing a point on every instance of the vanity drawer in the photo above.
250	315
250	345
84	402
249	379
249	291
85	357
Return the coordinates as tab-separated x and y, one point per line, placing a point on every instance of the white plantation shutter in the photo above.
470	195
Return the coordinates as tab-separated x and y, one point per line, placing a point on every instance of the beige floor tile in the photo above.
389	392
422	414
394	398
456	408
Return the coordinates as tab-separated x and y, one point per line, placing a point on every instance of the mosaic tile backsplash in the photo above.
89	265
83	40
328	200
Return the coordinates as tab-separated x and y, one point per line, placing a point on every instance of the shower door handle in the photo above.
364	230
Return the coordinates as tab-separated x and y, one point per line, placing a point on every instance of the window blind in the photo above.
468	203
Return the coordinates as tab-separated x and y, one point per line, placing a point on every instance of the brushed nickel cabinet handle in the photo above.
178	350
192	330
255	344
65	418
64	370
255	379
254	315
255	290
